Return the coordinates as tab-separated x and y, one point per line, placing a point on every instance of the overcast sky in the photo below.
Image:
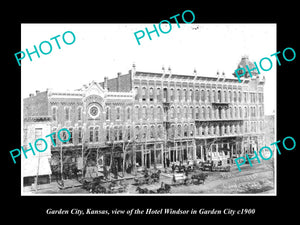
106	49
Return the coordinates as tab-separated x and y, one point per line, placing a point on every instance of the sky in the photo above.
103	50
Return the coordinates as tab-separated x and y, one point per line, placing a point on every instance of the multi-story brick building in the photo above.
143	118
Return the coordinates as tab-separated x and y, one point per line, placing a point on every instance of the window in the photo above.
178	112
128	113
37	135
191	95
185	95
144	113
120	133
54	136
128	133
136	133
107	113
118	113
160	113
172	95
179	97
71	135
172	113
208	96
185	134
191	113
136	93
152	132
91	134
79	111
185	112
158	94
197	96
165	95
97	134
151	94
136	113
219	96
54	113
115	133
107	133
191	130
151	113
179	130
197	113
202	96
79	135
234	97
67	114
144	94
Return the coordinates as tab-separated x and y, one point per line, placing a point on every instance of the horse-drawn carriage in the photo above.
164	188
96	185
195	178
154	177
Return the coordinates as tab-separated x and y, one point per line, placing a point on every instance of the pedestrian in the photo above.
173	168
168	162
105	171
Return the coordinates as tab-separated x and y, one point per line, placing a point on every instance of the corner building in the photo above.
140	119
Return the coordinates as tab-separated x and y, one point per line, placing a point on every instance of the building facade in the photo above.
141	119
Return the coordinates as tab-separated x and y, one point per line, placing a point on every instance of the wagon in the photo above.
180	178
198	177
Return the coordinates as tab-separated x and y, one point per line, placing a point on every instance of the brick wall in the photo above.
36	105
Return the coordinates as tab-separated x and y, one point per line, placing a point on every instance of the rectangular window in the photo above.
67	114
97	134
79	135
71	135
37	135
54	113
118	113
91	134
79	113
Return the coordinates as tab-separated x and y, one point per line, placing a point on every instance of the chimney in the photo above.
105	83
119	81
31	95
37	91
170	71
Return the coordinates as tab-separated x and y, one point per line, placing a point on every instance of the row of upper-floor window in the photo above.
204	112
152	112
198	95
150	132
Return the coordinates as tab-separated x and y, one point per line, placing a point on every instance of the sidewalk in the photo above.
70	183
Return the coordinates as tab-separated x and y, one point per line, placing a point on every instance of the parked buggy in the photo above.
148	179
198	177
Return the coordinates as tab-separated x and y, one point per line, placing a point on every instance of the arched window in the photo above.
151	113
144	112
202	96
144	94
203	113
137	96
185	112
178	112
191	130
151	94
172	113
128	113
208	96
79	113
197	115
219	96
179	132
152	132
197	95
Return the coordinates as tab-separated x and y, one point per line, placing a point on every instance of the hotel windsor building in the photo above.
144	119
